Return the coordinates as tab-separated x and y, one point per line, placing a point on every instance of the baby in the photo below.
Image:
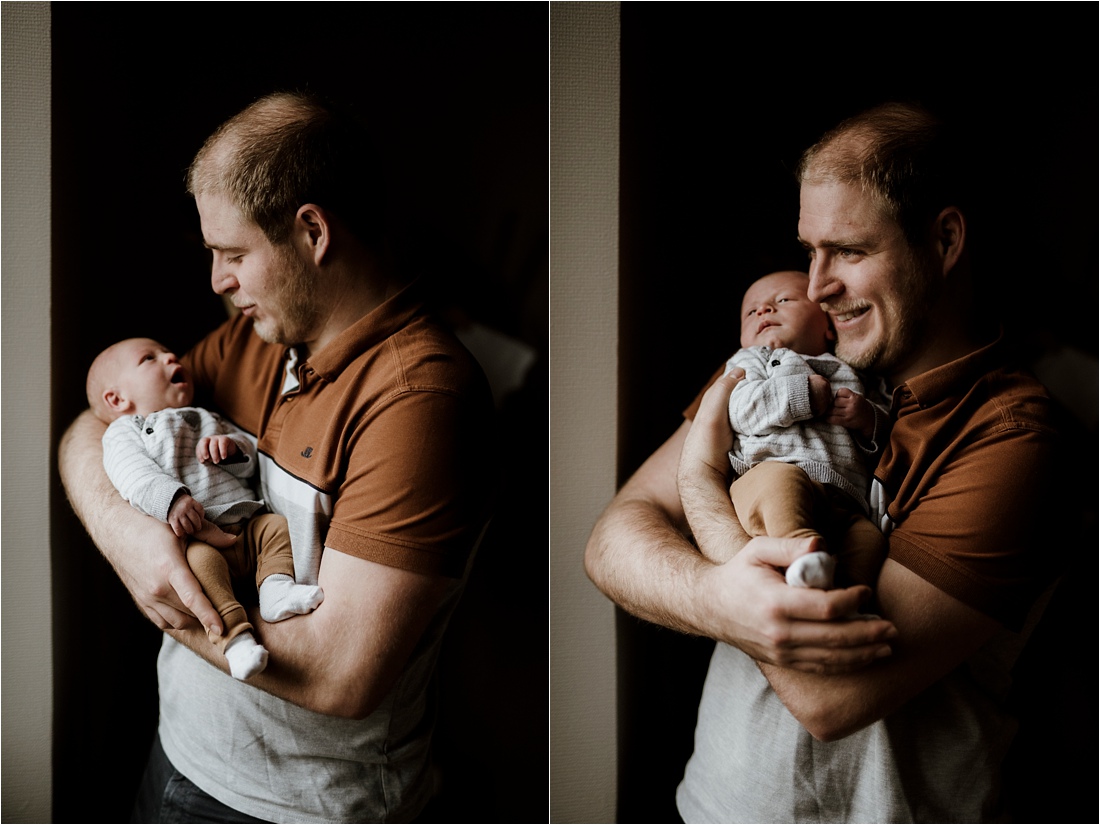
189	468
804	435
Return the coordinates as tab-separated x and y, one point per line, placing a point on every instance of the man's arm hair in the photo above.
344	657
936	633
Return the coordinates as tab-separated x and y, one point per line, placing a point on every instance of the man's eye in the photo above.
848	253
234	258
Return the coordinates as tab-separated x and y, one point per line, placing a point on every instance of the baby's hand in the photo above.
852	410
216	448
185	516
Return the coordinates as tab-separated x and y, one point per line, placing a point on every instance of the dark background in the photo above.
457	97
718	102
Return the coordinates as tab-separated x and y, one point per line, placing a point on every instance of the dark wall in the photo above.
718	102
457	97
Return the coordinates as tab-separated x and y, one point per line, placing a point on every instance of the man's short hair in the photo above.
900	152
288	149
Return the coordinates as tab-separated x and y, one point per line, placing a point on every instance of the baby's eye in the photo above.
782	300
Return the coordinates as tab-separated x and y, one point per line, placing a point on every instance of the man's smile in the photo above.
845	315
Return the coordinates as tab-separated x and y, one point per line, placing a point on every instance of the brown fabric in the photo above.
392	421
779	500
262	549
969	473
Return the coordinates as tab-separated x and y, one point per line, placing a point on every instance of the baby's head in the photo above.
776	312
137	376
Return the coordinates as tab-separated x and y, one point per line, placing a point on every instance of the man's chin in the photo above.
267	332
858	357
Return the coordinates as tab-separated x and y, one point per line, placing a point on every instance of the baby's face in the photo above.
776	313
147	377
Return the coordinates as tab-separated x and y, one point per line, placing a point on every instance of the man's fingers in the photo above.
214	535
166	617
831	661
190	594
781	552
824	605
711	436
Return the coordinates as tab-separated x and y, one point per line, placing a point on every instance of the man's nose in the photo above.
221	279
823	284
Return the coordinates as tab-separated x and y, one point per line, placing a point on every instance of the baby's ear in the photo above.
115	402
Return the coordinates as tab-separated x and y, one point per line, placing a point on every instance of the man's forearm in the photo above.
645	564
936	634
97	504
344	657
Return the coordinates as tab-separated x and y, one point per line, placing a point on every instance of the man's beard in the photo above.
906	322
294	314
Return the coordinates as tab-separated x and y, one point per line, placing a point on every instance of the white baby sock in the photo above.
812	570
281	598
246	657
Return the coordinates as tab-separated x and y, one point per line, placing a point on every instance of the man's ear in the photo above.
949	237
313	229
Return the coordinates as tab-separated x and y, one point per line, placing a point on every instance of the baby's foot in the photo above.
246	657
281	598
812	570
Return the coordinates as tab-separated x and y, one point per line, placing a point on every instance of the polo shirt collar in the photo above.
939	383
369	331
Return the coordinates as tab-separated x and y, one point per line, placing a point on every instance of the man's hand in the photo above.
853	411
703	474
215	448
753	608
160	581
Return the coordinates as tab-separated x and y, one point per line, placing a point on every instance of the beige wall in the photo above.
584	228
24	407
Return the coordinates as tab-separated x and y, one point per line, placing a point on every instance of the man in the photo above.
373	432
807	716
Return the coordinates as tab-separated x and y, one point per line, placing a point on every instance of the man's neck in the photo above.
951	340
351	297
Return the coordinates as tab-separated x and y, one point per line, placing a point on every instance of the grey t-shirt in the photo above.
935	760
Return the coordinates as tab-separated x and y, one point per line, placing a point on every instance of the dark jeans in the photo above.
166	795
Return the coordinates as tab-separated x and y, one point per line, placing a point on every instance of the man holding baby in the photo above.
810	713
372	428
